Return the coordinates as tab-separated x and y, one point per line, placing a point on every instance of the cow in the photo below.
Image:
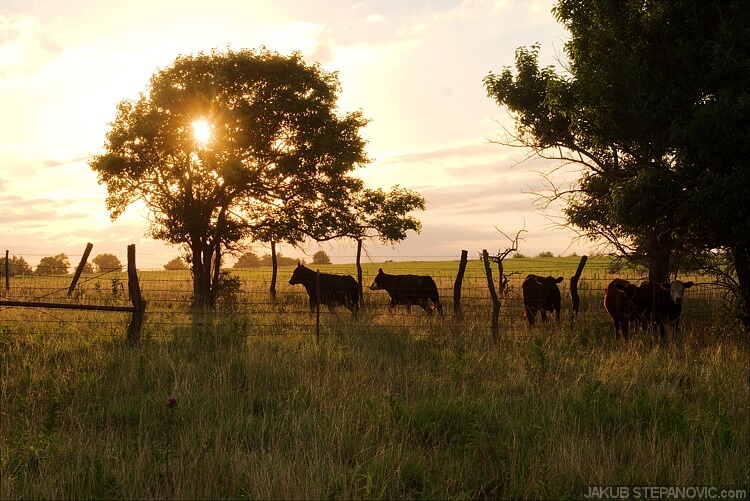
409	290
543	294
626	303
663	304
335	290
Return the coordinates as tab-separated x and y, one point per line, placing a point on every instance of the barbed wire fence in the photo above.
249	311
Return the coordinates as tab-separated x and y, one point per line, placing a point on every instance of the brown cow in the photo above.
625	303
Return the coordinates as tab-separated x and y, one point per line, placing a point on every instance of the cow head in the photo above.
676	289
376	284
298	274
550	290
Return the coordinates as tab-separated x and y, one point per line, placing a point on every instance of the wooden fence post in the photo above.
359	272
7	270
493	294
274	272
317	307
81	265
459	281
139	305
574	286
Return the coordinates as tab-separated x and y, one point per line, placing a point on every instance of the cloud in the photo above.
24	47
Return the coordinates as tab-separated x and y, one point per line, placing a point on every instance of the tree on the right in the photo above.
654	108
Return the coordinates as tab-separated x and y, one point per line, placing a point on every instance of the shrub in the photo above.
321	257
176	264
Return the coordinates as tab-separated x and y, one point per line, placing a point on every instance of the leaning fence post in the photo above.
493	294
139	305
458	282
574	286
81	265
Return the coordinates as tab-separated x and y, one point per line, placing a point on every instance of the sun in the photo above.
202	131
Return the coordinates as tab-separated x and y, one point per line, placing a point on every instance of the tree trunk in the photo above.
274	271
215	274
742	268
658	262
201	277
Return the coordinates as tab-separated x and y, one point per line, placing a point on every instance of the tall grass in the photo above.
248	405
392	415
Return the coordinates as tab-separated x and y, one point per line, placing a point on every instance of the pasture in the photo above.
247	404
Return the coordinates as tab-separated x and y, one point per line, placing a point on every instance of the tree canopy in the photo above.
274	156
321	257
53	265
107	262
653	108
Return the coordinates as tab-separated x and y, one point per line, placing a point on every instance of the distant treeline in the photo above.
251	260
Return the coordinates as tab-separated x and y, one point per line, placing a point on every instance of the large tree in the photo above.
653	109
229	146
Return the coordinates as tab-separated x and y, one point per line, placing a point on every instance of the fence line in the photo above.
169	295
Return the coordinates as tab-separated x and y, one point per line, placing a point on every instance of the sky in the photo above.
414	68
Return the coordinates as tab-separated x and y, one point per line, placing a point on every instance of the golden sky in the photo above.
414	67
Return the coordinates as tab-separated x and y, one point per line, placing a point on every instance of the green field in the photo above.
390	406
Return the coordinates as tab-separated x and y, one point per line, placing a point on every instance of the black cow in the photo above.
541	293
335	290
663	304
409	290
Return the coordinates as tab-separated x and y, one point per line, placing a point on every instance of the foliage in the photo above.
279	156
545	254
383	215
107	262
53	265
321	257
176	263
267	260
248	260
654	112
16	266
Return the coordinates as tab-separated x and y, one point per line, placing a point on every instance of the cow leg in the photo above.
544	315
530	314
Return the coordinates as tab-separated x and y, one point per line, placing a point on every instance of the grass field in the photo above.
249	405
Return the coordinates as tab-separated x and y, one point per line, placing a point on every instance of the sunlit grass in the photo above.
384	407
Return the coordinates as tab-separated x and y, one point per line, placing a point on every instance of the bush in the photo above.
545	254
53	265
321	257
107	262
248	260
176	264
16	266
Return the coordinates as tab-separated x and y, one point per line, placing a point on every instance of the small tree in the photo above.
107	262
176	264
16	266
321	257
267	260
248	260
279	149
53	265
